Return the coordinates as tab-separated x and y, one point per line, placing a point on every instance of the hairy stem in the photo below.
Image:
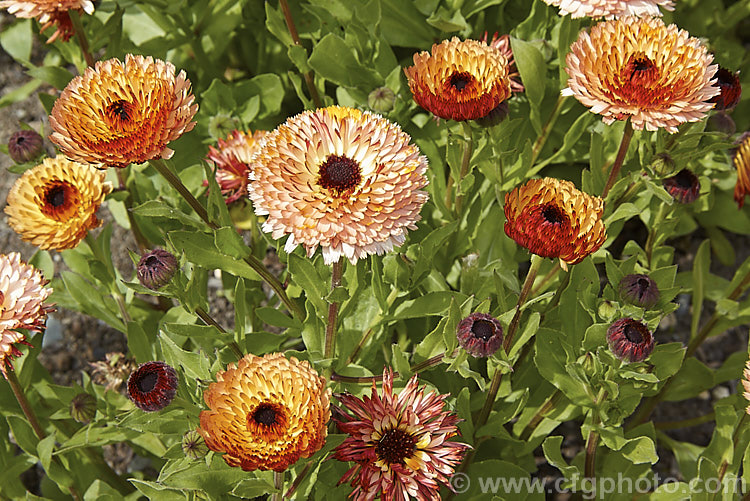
465	164
627	135
337	271
278	483
75	20
540	414
418	367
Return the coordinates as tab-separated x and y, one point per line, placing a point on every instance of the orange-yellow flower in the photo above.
266	412
232	159
50	13
54	204
459	80
746	383
551	218
638	68
22	296
742	163
610	8
116	114
339	178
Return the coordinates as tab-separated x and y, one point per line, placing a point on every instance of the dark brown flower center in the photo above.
639	82
552	214
395	446
643	285
339	174
20	140
633	334
268	421
119	111
59	200
147	382
460	80
265	415
483	329
684	179
152	262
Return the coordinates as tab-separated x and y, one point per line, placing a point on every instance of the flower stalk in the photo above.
75	19
278	483
308	76
465	164
337	271
627	135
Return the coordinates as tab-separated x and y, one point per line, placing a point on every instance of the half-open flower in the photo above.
22	297
25	146
683	186
630	340
156	268
480	334
638	68
742	163
399	442
552	218
610	8
152	386
339	178
459	80
49	13
266	412
232	159
54	204
116	114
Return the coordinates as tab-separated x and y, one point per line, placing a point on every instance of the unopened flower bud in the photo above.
480	334
193	445
156	269
662	164
495	116
83	408
630	340
381	100
152	386
607	310
639	289
24	146
683	186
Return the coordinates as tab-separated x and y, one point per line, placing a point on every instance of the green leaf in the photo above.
693	378
16	40
200	248
533	69
336	61
701	265
638	450
304	274
23	434
53	75
272	316
551	449
139	343
196	365
159	209
433	303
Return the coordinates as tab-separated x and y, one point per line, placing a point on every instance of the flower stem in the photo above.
142	242
163	169
540	414
389	301
337	270
551	274
465	164
75	19
15	385
298	480
589	467
627	135
308	76
652	234
278	483
546	128
208	320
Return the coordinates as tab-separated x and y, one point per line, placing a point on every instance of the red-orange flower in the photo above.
459	80
731	89
551	218
232	159
742	163
398	442
266	412
50	13
638	68
22	296
117	114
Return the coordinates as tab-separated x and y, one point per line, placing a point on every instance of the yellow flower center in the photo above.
339	174
396	446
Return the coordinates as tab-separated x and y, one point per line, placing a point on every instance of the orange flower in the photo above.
502	43
339	178
551	218
638	68
54	204
266	412
742	163
116	114
610	8
746	383
22	296
50	13
232	160
459	80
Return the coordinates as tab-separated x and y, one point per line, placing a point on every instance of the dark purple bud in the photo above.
480	334
152	386
156	269
494	117
731	90
683	186
639	289
630	340
24	146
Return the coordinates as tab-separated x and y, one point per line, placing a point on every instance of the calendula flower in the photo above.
399	442
266	412
459	80
54	204
742	163
232	160
551	218
339	178
156	268
610	8
746	383
22	297
639	289
638	68
25	146
480	334
49	13
152	386
630	340
116	114
502	43
730	89
683	186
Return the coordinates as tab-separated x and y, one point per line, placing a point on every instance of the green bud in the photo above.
83	408
193	445
381	100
